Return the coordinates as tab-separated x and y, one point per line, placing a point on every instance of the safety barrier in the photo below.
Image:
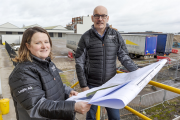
175	51
11	52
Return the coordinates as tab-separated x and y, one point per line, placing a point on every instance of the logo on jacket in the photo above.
25	89
53	68
111	36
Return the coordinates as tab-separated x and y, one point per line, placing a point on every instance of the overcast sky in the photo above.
125	15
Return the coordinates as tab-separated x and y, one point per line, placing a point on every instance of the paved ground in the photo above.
6	68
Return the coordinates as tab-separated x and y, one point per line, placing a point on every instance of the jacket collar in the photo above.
95	31
43	63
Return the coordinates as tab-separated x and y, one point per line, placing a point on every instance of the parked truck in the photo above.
164	42
138	45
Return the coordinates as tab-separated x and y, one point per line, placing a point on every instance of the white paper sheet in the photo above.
128	87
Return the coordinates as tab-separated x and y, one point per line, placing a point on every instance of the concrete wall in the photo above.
59	38
87	23
12	39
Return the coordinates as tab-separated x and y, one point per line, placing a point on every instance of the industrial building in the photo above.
57	32
80	24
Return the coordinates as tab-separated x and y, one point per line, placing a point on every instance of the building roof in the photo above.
8	25
55	27
32	26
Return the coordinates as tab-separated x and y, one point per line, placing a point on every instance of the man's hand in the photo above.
82	107
73	93
84	89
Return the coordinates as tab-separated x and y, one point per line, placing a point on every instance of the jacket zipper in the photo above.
104	54
104	67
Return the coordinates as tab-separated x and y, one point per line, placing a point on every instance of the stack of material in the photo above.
176	38
176	41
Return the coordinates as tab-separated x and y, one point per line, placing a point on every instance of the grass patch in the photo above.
65	80
165	113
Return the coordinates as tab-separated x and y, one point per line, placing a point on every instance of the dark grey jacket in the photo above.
96	58
39	93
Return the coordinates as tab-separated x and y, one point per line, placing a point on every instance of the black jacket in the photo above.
39	93
96	58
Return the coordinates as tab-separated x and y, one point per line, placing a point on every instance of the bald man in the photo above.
96	57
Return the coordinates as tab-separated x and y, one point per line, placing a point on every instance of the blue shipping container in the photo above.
164	43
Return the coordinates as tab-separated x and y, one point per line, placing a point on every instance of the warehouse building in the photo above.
57	32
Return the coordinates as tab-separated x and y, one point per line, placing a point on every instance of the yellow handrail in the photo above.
75	84
166	87
137	113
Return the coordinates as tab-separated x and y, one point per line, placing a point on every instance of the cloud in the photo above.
129	15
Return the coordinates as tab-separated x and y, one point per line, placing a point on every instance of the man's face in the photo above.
100	18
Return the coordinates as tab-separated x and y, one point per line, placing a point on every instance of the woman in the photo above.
35	84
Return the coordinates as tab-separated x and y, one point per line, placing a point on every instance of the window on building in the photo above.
20	33
8	32
51	35
59	34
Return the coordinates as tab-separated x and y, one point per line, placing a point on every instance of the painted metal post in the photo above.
74	77
177	65
98	112
140	103
156	77
137	113
164	98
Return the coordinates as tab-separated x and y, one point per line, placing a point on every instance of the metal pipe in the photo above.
137	113
98	112
75	84
166	87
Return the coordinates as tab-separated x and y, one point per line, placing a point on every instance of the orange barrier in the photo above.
70	54
174	51
163	57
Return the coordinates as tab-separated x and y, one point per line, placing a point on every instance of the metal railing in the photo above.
11	52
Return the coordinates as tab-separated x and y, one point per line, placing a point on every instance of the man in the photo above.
96	57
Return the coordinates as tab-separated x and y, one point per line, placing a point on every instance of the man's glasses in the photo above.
96	16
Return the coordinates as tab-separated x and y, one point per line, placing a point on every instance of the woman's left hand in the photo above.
73	93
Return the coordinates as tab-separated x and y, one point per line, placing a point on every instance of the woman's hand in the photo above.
73	93
82	107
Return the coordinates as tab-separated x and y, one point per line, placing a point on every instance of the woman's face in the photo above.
40	45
